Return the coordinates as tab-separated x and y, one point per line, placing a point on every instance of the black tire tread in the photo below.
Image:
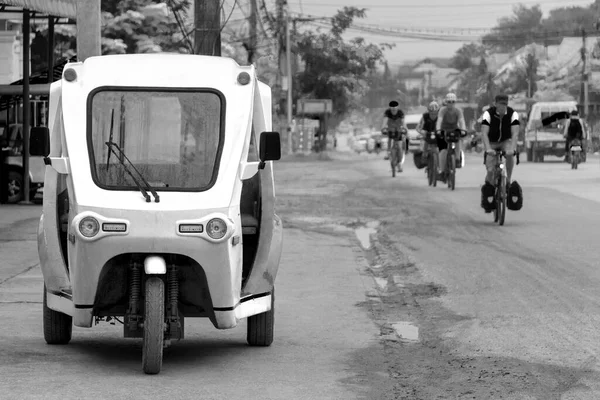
58	327
261	326
154	316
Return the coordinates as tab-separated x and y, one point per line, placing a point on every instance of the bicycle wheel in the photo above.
501	205
452	171
430	169
573	160
394	161
496	194
434	173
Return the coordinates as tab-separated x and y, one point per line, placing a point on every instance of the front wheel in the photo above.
452	172
58	327
261	326
501	201
154	325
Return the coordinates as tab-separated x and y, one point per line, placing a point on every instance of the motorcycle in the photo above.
159	199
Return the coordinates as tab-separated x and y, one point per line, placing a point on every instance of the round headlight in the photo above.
216	228
89	227
70	75
243	78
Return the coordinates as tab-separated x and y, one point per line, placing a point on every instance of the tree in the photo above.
335	68
133	26
463	58
516	31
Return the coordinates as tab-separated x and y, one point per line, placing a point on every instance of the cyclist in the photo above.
427	125
393	122
573	130
499	130
450	118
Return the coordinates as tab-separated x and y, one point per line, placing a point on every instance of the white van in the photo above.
412	121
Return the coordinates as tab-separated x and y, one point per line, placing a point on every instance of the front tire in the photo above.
501	204
58	327
452	172
261	326
154	326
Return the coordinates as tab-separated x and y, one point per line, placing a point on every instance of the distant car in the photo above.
412	121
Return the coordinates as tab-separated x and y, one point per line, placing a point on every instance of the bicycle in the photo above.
500	186
395	150
452	137
432	157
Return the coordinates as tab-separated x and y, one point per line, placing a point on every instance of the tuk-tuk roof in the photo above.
161	70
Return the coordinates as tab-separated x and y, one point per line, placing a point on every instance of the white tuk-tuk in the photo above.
158	199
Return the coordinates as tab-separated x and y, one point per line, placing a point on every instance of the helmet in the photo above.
450	97
393	103
433	106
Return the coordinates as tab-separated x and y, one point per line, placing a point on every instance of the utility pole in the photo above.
253	40
207	21
288	56
584	74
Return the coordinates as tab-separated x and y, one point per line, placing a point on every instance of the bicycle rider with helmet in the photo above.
393	122
427	125
499	130
450	118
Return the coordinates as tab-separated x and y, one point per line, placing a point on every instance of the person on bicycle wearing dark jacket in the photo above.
499	130
573	130
393	122
427	126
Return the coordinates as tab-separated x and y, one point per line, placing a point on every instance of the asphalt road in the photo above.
501	312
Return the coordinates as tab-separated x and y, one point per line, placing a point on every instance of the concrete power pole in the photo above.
253	40
207	21
584	74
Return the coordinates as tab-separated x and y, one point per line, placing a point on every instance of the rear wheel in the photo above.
154	325
574	159
261	326
436	165
16	187
58	327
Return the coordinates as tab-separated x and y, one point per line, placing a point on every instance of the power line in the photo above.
450	6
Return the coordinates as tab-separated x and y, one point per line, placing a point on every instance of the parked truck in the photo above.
541	141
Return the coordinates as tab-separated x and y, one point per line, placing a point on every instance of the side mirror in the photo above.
39	141
270	147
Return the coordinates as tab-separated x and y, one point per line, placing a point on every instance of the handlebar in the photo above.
463	133
503	154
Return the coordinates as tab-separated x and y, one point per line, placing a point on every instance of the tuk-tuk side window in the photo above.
173	138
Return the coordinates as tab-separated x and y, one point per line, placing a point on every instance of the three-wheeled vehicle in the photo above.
159	199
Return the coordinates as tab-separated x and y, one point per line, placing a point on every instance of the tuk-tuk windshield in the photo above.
172	137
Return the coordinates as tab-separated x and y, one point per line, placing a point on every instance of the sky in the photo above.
424	14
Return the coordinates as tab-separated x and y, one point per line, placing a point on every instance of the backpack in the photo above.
418	159
514	201
575	130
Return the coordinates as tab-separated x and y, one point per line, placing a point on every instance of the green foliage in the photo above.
335	68
516	31
463	58
133	26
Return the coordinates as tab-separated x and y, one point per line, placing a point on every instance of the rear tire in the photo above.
16	187
58	327
154	325
261	326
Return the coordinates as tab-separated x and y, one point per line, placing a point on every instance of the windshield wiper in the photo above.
139	186
112	123
156	197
